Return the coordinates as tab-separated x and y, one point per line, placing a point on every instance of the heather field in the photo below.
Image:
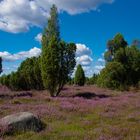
80	113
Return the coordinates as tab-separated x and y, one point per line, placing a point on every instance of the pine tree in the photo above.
79	76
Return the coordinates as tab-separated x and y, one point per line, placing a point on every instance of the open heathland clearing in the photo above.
79	113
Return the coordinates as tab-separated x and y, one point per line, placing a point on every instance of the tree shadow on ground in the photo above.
89	95
85	95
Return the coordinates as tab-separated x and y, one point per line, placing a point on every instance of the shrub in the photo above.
112	76
79	76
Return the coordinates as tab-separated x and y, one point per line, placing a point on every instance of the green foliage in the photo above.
70	81
123	65
130	59
50	66
4	80
113	45
79	76
58	57
14	81
0	65
132	65
28	76
67	62
53	25
30	73
112	76
108	56
92	80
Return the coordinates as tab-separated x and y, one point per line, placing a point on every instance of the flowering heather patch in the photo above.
84	113
68	106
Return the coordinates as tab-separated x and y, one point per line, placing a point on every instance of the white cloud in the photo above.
10	67
6	56
19	15
78	6
84	60
38	37
88	71
84	57
82	49
98	68
101	60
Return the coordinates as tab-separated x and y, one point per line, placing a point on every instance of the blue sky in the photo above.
87	23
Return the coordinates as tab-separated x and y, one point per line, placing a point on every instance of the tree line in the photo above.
27	77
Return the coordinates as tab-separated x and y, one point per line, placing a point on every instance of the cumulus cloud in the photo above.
83	55
82	49
6	56
19	15
38	37
84	60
